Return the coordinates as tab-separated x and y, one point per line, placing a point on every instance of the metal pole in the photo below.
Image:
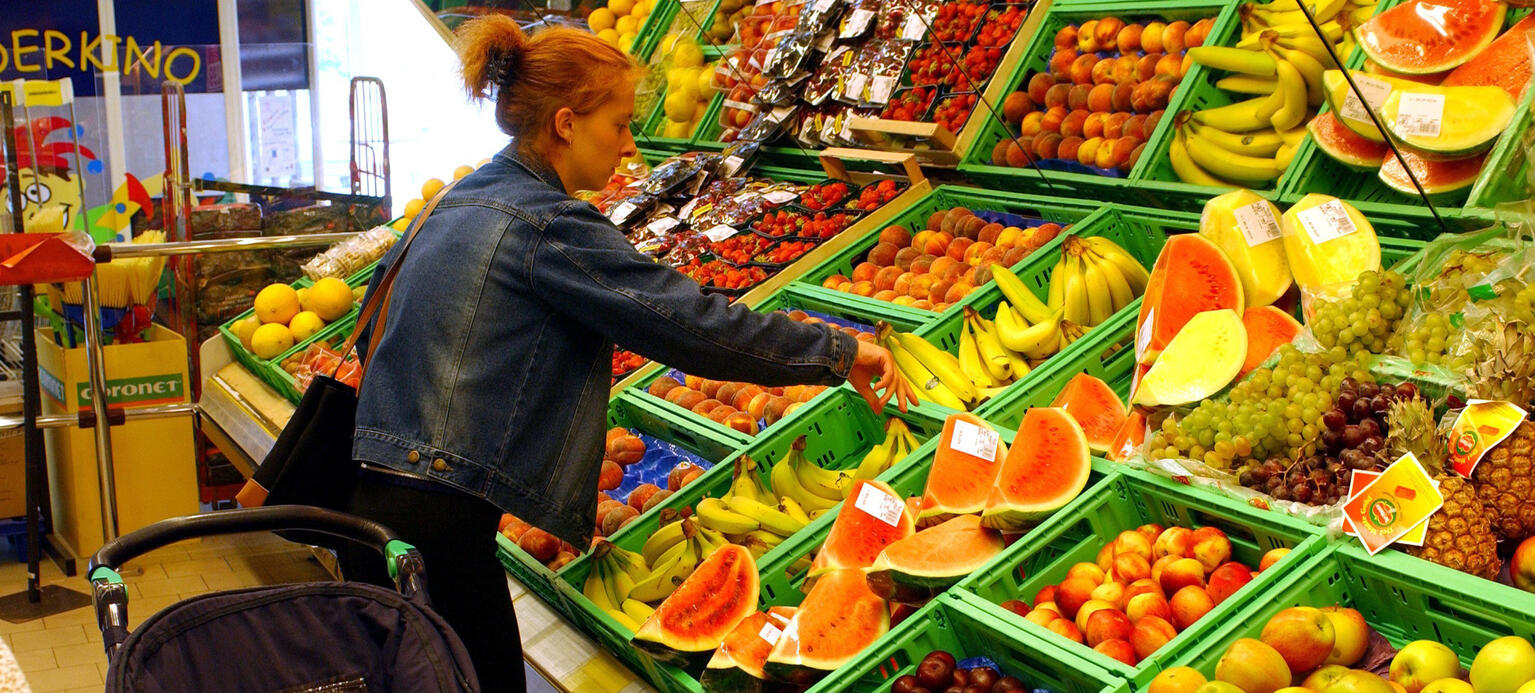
163	411
94	361
225	245
30	401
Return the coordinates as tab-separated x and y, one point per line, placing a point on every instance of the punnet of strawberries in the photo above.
954	111
782	223
824	195
909	104
786	251
722	275
875	195
956	21
826	225
739	249
1001	25
625	361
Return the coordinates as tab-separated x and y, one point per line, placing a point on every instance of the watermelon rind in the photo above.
1436	177
839	606
1345	146
704	601
1474	118
1073	466
1481	20
729	674
856	538
955	549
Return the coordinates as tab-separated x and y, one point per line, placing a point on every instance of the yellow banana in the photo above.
1100	302
1332	30
1293	86
1071	332
1234	60
637	610
663	539
825	483
665	578
1294	137
1038	341
1288	11
1024	302
1312	46
941	363
786	484
768	517
767	538
928	386
873	463
1242	116
631	562
1261	143
1246	84
1120	293
714	514
970	359
1360	15
1109	251
1185	168
596	588
993	354
1017	365
1231	166
623	619
710	541
1310	69
1054	296
792	508
1077	307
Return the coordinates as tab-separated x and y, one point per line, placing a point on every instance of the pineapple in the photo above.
1505	478
1460	535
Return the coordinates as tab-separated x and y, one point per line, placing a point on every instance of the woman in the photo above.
488	390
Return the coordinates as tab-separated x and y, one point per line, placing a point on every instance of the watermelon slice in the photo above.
1130	436
1436	177
1046	468
872	517
1423	36
969	452
1344	145
919	567
1191	275
704	609
1268	328
1506	63
737	664
838	619
1096	408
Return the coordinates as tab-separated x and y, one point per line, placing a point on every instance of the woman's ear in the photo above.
565	124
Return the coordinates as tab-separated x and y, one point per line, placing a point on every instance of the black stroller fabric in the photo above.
331	637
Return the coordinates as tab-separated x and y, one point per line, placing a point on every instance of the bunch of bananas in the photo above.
749	514
1279	63
935	375
614	583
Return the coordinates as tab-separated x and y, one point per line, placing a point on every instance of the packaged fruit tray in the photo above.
285	382
792	222
951	624
837	434
1401	606
1032	212
267	369
1109	523
651	424
1073	179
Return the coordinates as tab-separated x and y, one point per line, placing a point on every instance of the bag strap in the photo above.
378	301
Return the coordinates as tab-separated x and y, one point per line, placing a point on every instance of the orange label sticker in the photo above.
1393	504
1361	479
1478	429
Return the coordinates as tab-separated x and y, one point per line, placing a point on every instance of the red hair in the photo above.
533	77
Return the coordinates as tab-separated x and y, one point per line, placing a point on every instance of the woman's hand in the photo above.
875	365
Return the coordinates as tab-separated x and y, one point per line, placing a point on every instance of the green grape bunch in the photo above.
1363	321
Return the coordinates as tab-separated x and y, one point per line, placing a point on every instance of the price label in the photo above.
1478	429
1360	479
914	29
882	506
781	197
857	23
883	87
1257	223
825	42
1326	222
663	224
1375	92
1420	114
720	233
823	5
977	441
855	85
1389	507
770	633
623	210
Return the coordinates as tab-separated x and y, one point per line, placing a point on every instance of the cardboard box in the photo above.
13	488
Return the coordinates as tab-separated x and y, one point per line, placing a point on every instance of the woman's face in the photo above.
599	141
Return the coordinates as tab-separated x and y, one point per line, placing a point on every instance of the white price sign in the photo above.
1419	114
1326	222
978	441
1375	92
770	633
882	506
720	233
1257	223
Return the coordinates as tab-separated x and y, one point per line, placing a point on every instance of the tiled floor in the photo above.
63	652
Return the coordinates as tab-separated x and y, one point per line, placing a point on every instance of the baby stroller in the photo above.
328	636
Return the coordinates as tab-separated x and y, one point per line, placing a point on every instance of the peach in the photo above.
1151	531
1178	680
663	386
1088	609
1133	542
1227	579
989	234
938	244
1144	586
1043	616
1045	595
1173	541
1048	606
1303	635
974	252
1031	124
1124	70
1105	157
1124	150
1129	39
905	256
1105	559
1081	70
1196	35
1066	37
720	413
1103	71
957	248
920	240
1066	629
897	236
1039	85
1015	106
1071	126
1069	147
1088	571
1118	650
1093	126
1181	573
1087	154
921	265
1129	567
1148	604
1111	593
1211	547
1151	37
885	278
1087	37
883	254
1189	605
1047	144
958	292
1150	634
1107	624
940	289
1016	606
864	288
885	295
1146	66
1273	556
1253	667
1351	635
922	286
1172	39
1121	99
1057	95
1073	593
864	272
942	265
1015	255
1076	99
1060	64
1100	98
1113	125
610	477
1044	233
1107	29
1009	237
757	407
1135	127
1170	64
1054	116
626	449
541	545
744	396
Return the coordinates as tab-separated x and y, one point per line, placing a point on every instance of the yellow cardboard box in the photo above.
154	461
13	489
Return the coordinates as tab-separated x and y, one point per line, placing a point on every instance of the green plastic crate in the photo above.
952	624
1076	535
1400	605
1109	356
977	163
865	311
263	368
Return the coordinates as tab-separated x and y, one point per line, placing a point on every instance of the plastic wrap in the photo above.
346	258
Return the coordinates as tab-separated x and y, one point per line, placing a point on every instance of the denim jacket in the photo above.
493	369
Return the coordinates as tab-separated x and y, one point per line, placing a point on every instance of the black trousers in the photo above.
455	533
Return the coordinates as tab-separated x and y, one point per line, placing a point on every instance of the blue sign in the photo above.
155	40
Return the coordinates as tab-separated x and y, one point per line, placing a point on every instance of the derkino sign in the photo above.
161	40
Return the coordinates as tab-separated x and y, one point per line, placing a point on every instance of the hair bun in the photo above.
501	67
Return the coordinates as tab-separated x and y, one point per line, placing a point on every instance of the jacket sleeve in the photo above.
585	268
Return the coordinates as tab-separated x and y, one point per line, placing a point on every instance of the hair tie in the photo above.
501	68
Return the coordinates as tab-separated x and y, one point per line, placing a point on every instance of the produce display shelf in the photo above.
978	165
1076	533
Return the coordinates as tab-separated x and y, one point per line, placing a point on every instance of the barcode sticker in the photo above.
623	210
883	506
663	224
855	85
1375	92
1257	223
971	439
823	5
915	28
1326	222
1419	114
720	233
779	197
770	633
857	23
880	91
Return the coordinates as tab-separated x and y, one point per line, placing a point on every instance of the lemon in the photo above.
277	303
668	42
402	224
270	341
626	24
621	7
609	36
303	299
431	187
706	79
676	129
462	171
304	325
687	54
626	41
243	329
642	8
330	298
698	113
600	18
413	208
679	105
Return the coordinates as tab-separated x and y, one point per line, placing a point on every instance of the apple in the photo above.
1160	565
1503	665
1320	678
1046	594
1151	531
1087	610
1212	548
1065	629
1112	593
1459	686
1184	572
1177	680
1522	567
1227	579
1107	624
1148	604
1271	558
1351	635
1302	635
1139	587
1105	559
1017	606
1048	606
1129	567
1133	542
1423	662
1189	605
1253	667
1150	634
1042	617
1087	571
1174	541
1120	650
1357	681
1074	592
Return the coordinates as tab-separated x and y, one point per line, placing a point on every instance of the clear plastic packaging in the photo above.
348	257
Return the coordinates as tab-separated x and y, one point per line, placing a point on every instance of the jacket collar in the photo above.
538	167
